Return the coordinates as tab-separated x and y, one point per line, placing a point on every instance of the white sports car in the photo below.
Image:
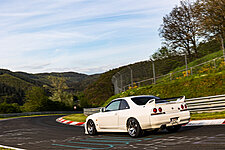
139	113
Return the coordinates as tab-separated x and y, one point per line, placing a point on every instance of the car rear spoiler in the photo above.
180	99
150	102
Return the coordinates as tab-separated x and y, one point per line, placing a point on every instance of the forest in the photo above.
194	29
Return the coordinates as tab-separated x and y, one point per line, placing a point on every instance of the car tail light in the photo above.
185	106
160	109
182	106
155	110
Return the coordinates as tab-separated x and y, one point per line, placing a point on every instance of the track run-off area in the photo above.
40	133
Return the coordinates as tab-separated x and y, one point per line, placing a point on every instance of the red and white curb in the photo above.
68	122
206	122
8	147
191	123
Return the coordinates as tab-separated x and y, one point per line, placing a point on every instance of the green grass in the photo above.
200	60
191	87
5	148
194	116
76	117
209	115
1	118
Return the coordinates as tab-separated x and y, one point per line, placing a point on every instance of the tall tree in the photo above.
59	91
212	18
164	52
36	100
180	29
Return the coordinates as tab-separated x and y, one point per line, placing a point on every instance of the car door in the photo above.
123	114
109	118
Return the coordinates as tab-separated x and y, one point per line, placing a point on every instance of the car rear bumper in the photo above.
156	121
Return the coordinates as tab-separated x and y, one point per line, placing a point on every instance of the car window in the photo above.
113	106
143	99
124	105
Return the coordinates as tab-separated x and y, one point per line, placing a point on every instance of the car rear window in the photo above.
143	100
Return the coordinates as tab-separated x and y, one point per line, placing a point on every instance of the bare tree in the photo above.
212	18
180	28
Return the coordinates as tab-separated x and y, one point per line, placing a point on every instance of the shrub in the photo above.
9	108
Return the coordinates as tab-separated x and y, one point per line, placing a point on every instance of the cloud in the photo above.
78	34
35	66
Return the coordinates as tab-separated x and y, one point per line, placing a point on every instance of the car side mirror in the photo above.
102	109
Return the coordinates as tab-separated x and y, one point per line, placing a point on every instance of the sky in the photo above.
85	36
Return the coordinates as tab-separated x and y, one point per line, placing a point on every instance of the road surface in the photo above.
40	133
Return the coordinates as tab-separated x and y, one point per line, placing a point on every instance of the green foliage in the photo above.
9	108
59	91
13	85
37	100
98	92
76	82
200	60
208	47
14	82
198	86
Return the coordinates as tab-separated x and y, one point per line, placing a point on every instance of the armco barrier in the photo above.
195	105
90	111
206	104
38	113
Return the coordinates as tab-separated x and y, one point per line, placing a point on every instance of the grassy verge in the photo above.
29	116
4	148
195	86
203	116
194	116
76	117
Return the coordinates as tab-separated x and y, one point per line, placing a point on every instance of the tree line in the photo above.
37	98
189	25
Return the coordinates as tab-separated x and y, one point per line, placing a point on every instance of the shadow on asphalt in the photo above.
149	133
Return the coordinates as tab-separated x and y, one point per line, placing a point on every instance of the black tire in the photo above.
173	128
91	129
133	128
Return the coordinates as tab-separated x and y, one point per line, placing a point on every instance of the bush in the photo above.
9	108
37	100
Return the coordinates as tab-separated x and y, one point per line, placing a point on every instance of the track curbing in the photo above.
69	122
191	123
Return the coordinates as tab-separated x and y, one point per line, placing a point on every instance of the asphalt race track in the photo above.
40	133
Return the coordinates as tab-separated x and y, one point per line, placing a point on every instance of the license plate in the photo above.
174	120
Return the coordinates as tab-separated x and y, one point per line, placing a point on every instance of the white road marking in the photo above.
2	146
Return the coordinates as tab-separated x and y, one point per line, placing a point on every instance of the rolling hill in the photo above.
13	85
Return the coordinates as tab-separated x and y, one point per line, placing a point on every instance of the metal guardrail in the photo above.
206	104
195	105
38	113
90	111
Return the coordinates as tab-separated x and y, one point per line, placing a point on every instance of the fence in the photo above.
144	74
195	105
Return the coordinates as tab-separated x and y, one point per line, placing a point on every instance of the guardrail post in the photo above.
214	61
153	69
222	42
131	76
171	76
186	64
